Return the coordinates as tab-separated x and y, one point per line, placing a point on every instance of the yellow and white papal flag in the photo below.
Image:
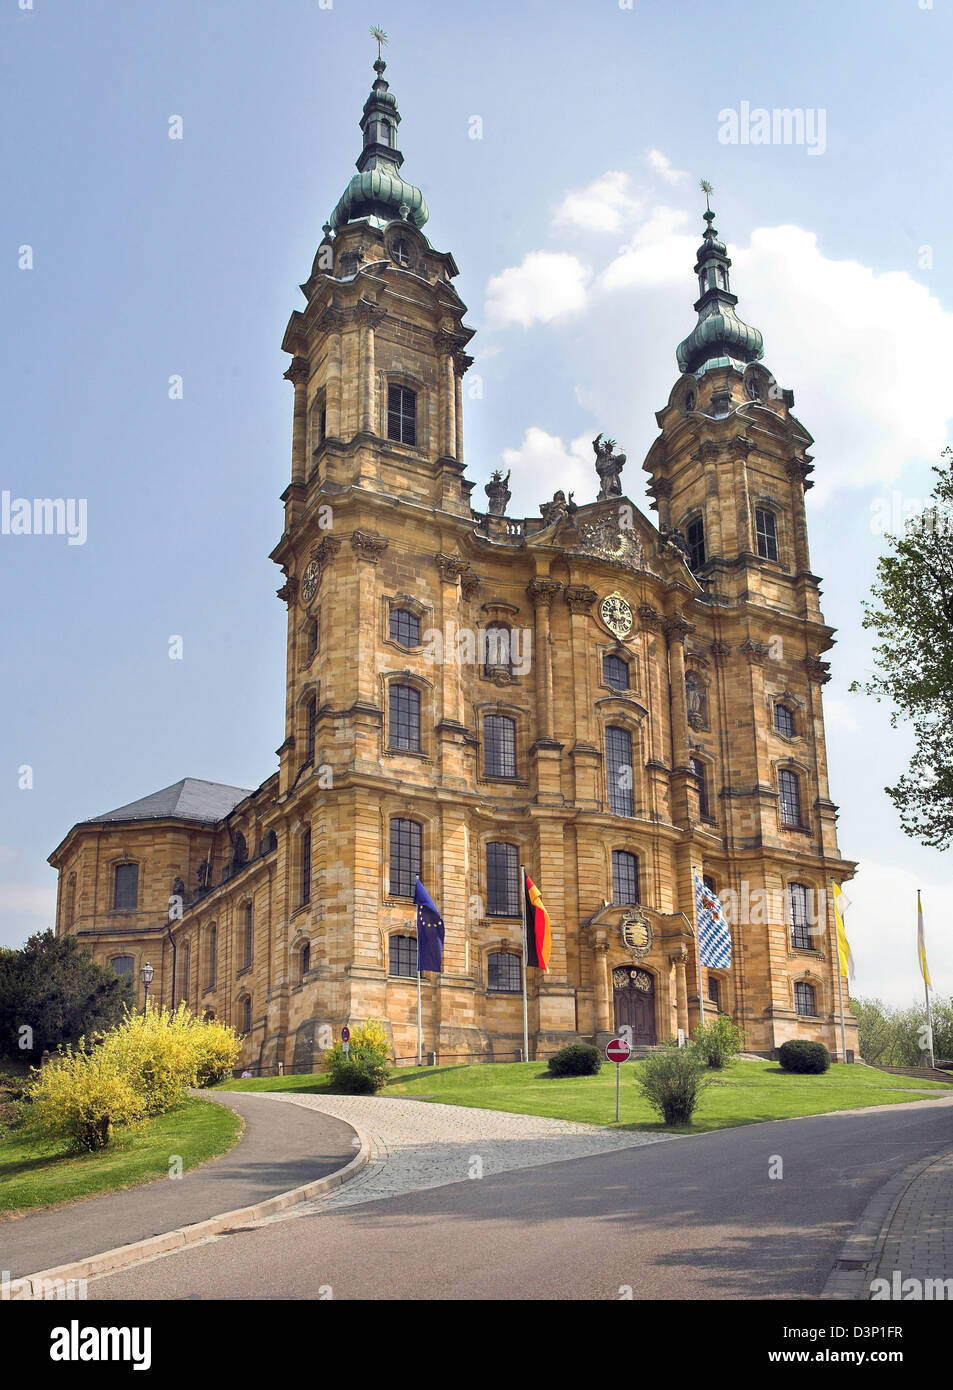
922	945
844	953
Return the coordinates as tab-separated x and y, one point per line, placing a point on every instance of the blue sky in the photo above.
573	220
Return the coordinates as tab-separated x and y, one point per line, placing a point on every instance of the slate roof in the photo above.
191	799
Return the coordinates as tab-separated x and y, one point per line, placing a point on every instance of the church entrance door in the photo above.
633	997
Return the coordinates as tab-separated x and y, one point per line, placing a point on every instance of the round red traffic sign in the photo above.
345	1034
618	1050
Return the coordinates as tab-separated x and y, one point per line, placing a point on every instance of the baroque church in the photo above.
616	705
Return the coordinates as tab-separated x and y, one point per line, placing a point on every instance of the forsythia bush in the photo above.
156	1053
217	1048
81	1098
365	1069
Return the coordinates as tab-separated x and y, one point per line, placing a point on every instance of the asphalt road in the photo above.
700	1218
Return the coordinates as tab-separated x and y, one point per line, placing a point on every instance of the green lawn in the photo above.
32	1177
745	1093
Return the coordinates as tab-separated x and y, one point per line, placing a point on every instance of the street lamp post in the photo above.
147	974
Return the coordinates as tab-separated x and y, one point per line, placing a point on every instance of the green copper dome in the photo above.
720	338
377	192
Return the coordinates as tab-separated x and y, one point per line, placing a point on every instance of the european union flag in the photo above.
429	931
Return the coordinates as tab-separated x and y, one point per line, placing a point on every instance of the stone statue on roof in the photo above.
608	465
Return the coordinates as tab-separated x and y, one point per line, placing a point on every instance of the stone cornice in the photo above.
367	546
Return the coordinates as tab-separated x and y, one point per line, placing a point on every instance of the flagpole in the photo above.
698	961
924	971
525	1006
840	976
420	1055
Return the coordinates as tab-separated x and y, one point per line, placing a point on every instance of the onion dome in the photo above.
720	338
377	193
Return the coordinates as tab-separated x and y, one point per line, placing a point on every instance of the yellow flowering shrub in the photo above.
216	1048
155	1052
80	1098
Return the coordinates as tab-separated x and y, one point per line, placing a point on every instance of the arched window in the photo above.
499	653
69	902
799	917
126	889
248	934
701	780
402	414
402	956
502	880
695	537
239	852
312	715
404	717
184	964
270	842
305	958
625	876
789	788
246	1015
405	840
404	627
212	955
784	720
619	774
714	990
126	967
767	529
312	637
306	867
805	999
615	672
504	973
499	746
709	883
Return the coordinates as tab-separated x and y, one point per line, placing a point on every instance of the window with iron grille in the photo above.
767	528
701	779
402	414
625	876
695	537
805	999
714	991
212	955
499	746
504	973
402	956
790	793
312	727
615	672
306	867
404	857
404	627
404	721
799	917
502	881
248	934
619	775
784	720
126	891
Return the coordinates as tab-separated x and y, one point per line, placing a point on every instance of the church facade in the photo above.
616	705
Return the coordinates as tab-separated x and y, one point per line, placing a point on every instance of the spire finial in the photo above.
378	33
707	189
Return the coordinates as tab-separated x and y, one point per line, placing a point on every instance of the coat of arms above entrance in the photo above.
636	932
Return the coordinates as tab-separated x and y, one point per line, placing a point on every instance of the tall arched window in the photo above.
402	414
404	856
184	964
620	779
502	880
789	789
402	956
799	917
625	876
767	529
126	889
248	934
499	746
126	967
69	901
695	538
504	972
246	1015
404	717
805	999
312	637
701	780
305	958
212	955
306	866
312	729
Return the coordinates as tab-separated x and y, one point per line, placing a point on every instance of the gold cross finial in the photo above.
378	33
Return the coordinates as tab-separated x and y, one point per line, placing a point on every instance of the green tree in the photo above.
54	987
911	611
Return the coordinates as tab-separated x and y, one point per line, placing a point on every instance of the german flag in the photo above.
539	935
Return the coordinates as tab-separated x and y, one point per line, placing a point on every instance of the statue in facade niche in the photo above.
497	492
608	465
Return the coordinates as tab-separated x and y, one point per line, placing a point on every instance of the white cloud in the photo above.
28	900
662	165
542	463
658	253
547	285
600	207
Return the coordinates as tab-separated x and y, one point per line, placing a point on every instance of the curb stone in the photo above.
31	1286
861	1250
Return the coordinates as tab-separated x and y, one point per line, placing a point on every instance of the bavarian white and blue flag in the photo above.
714	934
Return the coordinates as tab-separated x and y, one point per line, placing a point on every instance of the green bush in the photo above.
358	1077
719	1042
216	1049
577	1059
365	1068
81	1098
805	1057
672	1079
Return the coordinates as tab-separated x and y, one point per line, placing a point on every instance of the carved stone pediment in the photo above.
605	540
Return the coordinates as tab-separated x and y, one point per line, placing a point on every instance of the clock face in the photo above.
616	614
310	581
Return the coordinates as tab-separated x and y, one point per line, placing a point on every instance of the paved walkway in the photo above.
917	1243
271	1157
417	1145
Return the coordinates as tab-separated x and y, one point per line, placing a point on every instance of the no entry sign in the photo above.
618	1050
